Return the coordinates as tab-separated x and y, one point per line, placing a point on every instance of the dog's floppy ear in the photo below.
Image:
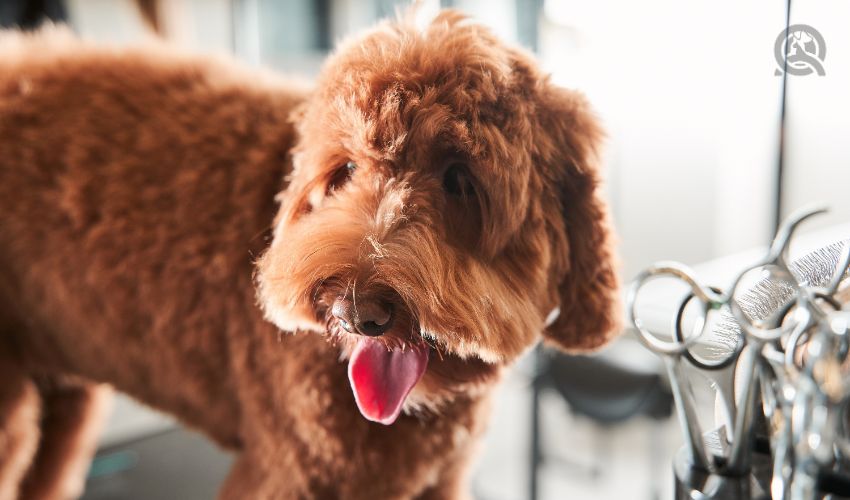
584	263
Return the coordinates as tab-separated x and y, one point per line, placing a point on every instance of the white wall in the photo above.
106	20
203	25
687	92
819	117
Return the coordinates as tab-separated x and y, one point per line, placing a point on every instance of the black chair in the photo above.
596	388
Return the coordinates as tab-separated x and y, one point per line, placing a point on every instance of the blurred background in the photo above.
691	100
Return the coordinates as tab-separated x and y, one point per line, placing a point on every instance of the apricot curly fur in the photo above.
142	245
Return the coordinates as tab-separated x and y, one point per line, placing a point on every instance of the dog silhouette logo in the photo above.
800	50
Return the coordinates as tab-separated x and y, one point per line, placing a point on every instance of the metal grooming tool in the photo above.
782	384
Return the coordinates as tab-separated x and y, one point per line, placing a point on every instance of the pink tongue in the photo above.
382	379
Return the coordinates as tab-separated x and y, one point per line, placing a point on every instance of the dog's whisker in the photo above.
354	298
316	289
261	232
348	285
304	259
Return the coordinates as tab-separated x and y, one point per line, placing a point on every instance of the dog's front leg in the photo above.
72	416
251	478
19	413
452	481
243	481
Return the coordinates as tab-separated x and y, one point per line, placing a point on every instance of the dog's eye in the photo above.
341	176
457	181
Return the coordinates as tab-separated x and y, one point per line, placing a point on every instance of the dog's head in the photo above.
444	203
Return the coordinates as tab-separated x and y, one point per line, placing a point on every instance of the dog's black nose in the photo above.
366	317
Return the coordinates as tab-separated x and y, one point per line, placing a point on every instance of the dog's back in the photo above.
136	187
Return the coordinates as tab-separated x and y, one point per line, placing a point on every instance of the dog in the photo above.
327	280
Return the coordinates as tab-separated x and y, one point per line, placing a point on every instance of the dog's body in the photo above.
137	190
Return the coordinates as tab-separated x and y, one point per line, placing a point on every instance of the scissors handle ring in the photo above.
680	337
708	299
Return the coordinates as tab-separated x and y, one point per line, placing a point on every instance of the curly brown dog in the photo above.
438	200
